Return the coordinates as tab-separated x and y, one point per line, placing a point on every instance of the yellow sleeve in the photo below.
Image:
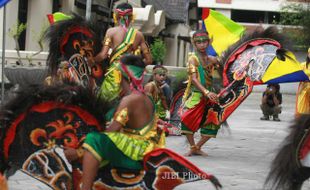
192	68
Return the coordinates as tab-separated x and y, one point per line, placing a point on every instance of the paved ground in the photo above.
240	158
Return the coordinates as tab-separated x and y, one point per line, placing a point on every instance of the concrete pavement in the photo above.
240	157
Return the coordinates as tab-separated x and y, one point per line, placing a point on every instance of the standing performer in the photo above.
121	39
133	132
303	93
198	94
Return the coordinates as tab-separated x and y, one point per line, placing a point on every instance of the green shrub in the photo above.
297	15
158	50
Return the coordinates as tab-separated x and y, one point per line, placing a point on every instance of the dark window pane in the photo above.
273	17
255	16
247	16
22	18
56	6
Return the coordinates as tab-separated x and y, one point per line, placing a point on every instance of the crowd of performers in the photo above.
132	130
132	123
200	70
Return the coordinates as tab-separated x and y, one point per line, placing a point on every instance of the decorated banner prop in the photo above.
257	58
222	31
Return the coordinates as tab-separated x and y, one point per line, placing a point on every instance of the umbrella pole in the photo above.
88	9
3	54
110	12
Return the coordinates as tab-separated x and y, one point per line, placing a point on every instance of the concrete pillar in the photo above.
175	53
11	20
67	6
170	58
187	50
181	53
36	20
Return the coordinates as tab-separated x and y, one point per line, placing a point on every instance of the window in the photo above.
56	6
22	18
273	17
247	16
255	16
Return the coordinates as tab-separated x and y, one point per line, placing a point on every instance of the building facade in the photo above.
250	13
34	14
170	20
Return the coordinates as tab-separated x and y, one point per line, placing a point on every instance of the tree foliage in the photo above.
39	37
297	14
15	33
158	50
17	29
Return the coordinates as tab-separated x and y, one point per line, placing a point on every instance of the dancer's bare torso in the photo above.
117	35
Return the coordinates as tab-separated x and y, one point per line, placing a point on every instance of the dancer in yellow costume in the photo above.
200	69
303	93
121	39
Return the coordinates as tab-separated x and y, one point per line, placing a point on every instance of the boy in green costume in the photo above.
200	69
154	89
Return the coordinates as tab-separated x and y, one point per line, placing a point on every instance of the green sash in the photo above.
110	88
201	74
202	79
124	46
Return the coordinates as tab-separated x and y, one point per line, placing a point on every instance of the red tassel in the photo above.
50	18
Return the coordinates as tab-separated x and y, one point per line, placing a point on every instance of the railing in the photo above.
11	57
